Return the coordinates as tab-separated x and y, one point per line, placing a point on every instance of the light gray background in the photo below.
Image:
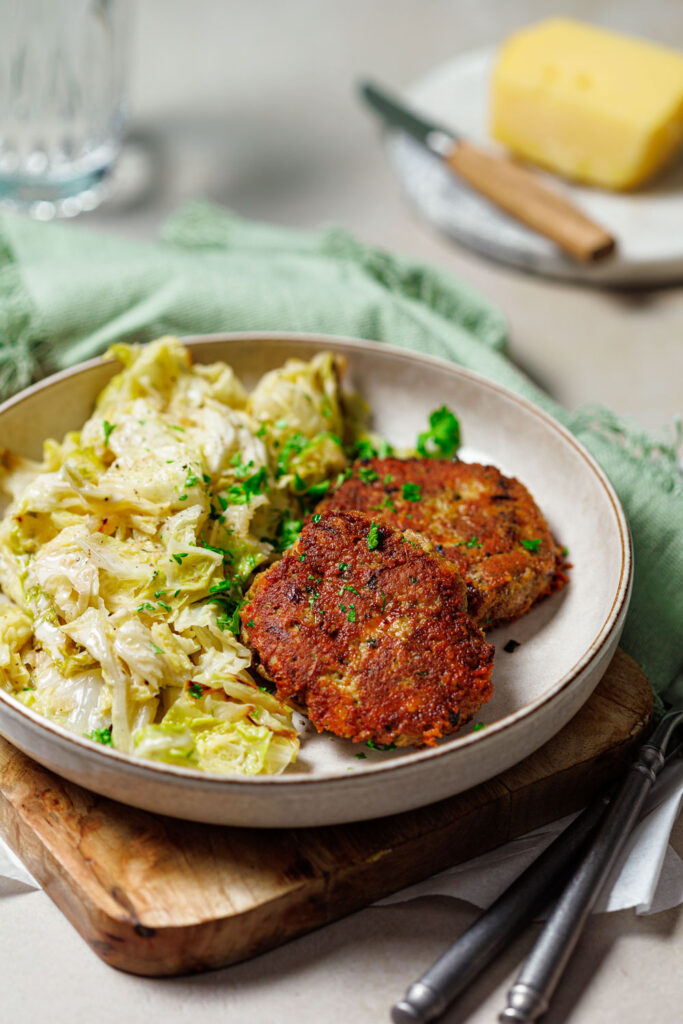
250	103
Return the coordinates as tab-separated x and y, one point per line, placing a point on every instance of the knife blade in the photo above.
509	185
433	136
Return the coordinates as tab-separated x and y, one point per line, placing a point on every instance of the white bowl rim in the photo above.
189	777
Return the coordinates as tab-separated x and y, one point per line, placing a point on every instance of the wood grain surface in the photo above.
159	896
520	191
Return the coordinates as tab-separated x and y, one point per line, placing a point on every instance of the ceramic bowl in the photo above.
565	643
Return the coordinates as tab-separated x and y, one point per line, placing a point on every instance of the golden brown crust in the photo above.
477	518
375	642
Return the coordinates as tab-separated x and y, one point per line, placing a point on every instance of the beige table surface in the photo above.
250	104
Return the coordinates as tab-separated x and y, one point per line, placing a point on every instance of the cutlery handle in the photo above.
529	997
522	194
428	998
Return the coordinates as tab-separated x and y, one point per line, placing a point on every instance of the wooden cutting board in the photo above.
158	896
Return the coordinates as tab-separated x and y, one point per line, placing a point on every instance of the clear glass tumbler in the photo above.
62	106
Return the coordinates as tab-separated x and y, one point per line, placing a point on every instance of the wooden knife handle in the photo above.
520	193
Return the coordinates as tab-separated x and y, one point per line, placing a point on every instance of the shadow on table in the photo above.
384	949
603	934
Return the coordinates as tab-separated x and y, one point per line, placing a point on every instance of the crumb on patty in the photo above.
366	627
485	523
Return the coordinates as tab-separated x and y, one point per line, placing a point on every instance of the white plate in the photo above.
566	642
648	223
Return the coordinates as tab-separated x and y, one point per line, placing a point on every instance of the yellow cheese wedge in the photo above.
588	103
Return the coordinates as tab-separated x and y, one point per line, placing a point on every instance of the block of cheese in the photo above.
590	104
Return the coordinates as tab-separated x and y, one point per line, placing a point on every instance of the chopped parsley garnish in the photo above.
191	479
478	727
162	604
565	552
243	492
361	757
344	475
411	492
318	490
241	468
351	614
373	536
365	449
443	436
107	428
381	746
196	689
532	545
388	478
145	607
206	478
353	589
343	566
387	503
367	474
292	447
287	533
316	518
222	587
384	599
178	557
250	624
302	556
473	542
100	736
232	604
225	552
174	426
183	497
312	598
157	650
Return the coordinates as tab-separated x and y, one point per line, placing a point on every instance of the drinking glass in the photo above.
62	108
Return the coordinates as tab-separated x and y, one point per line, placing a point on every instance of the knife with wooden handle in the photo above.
511	186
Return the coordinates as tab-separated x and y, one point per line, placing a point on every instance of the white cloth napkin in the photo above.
14	877
649	876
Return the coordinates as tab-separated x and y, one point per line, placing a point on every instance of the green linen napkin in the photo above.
66	294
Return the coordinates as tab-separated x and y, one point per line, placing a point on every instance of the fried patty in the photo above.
367	628
486	524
